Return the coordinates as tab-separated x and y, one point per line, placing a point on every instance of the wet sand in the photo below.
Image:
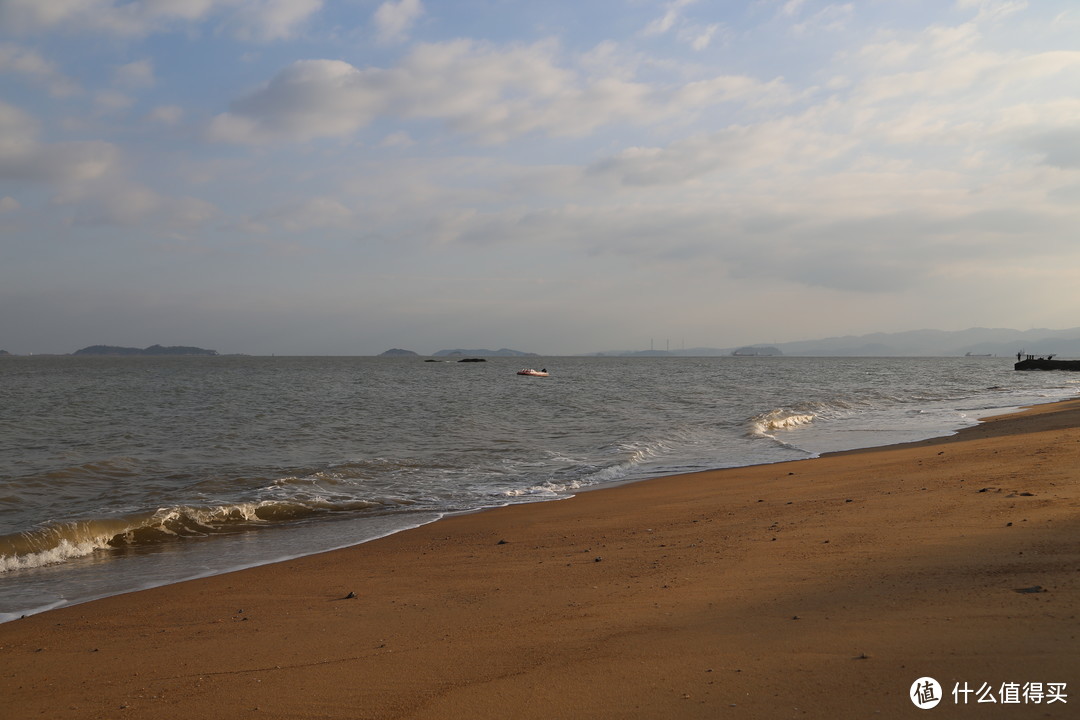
813	589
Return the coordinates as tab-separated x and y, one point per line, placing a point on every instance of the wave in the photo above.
628	457
544	490
108	469
59	542
765	424
805	412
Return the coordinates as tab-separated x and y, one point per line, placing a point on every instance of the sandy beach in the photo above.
819	588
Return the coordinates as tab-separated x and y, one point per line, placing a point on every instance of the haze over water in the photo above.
121	473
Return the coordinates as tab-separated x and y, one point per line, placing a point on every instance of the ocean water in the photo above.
123	473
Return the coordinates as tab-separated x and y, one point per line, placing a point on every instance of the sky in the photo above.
341	177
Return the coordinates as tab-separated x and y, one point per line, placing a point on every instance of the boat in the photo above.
533	373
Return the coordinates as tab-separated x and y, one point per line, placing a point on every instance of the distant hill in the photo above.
152	350
398	352
944	343
1001	342
502	352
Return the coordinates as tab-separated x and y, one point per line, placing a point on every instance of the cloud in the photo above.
751	243
135	75
106	16
24	157
672	15
491	94
166	114
249	19
680	161
398	139
394	20
866	165
272	19
990	10
698	37
112	101
791	8
309	99
848	232
120	203
1059	148
831	18
31	65
318	213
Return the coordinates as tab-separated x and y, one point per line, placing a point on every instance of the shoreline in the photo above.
827	584
8	616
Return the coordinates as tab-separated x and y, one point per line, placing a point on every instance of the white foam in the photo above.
765	424
548	489
65	550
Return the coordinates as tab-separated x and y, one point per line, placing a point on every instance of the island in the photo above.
113	350
501	352
757	351
398	352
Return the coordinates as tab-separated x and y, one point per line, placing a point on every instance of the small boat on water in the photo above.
534	373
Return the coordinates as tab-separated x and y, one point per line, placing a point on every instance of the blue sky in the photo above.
343	177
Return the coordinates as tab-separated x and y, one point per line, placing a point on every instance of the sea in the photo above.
122	473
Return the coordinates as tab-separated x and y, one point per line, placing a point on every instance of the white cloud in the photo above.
398	139
107	16
699	37
791	7
167	114
249	19
30	64
24	157
272	19
318	213
863	231
394	20
990	10
233	128
912	148
736	148
940	65
112	101
1021	70
831	18
135	75
492	94
1059	147
887	54
672	16
308	99
120	203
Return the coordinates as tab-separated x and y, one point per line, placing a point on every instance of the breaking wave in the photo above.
59	542
765	424
544	490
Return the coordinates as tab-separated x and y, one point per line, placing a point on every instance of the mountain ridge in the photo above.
152	350
1003	342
